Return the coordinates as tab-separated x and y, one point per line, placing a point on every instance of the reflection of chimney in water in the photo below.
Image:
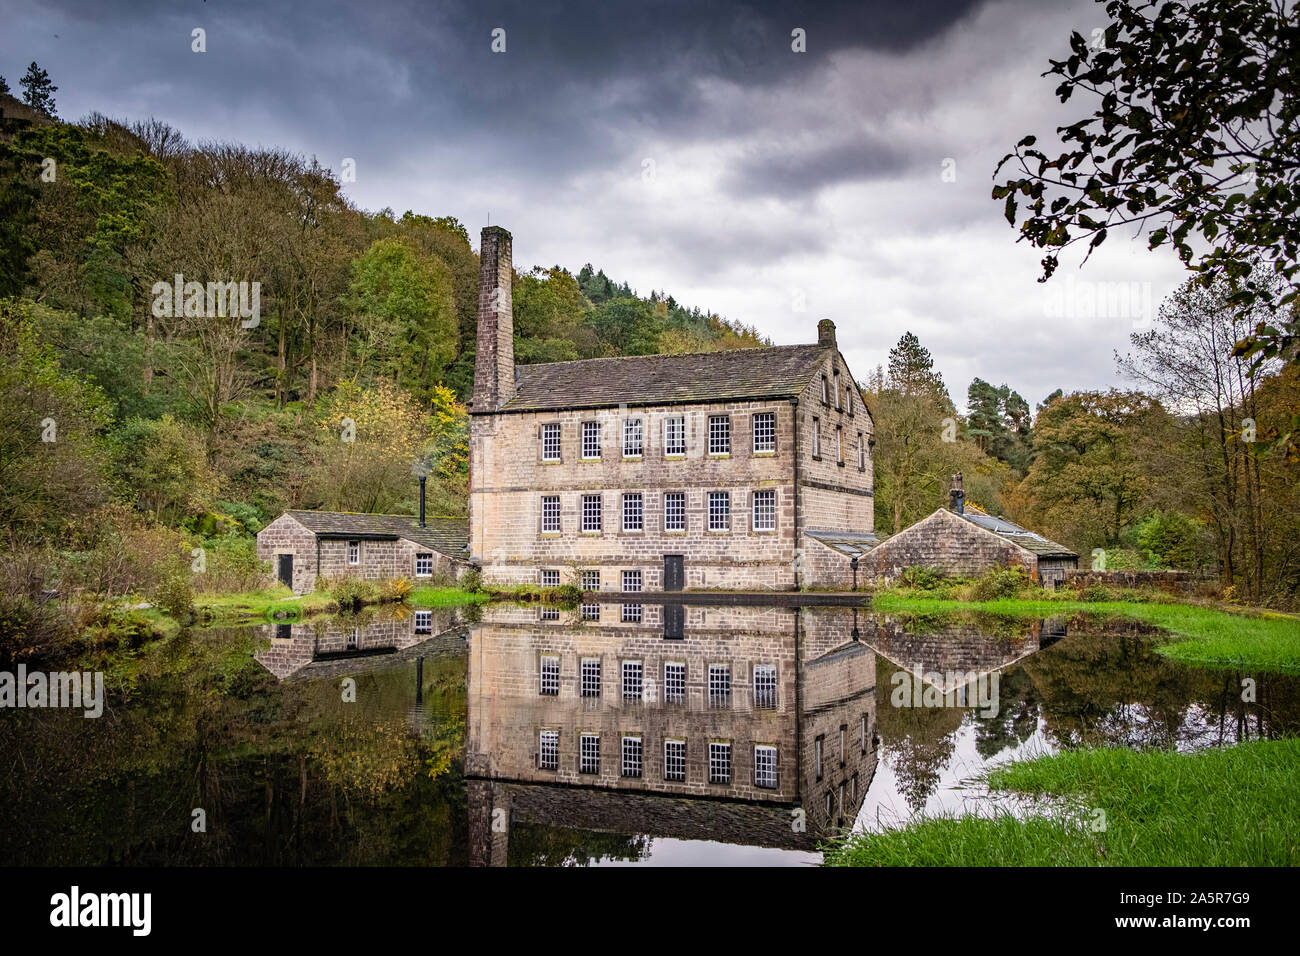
957	497
422	481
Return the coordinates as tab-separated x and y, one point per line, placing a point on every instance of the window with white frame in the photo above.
548	750
591	583
719	685
550	578
848	400
764	432
719	510
839	444
423	622
764	766
765	686
631	614
589	754
631	756
589	676
590	440
675	511
548	684
633	438
817	437
675	436
631	582
551	442
826	391
719	762
719	435
674	760
674	682
765	510
591	513
424	564
633	512
862	454
547	613
837	388
632	674
354	552
550	514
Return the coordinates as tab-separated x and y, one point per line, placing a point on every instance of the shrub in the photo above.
176	597
471	580
999	583
395	590
1096	591
353	593
924	578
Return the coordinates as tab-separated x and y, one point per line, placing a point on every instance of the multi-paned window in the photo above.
765	510
632	673
719	435
765	686
817	437
354	552
548	750
550	514
631	756
674	682
423	622
550	578
424	564
633	438
591	582
764	432
589	676
591	512
551	442
631	582
719	762
548	684
633	512
675	436
591	440
589	753
675	511
548	613
719	510
764	766
719	685
674	760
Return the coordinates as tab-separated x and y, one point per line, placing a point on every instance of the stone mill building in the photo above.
741	469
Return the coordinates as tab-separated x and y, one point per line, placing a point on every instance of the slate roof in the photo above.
447	535
1031	541
728	375
853	544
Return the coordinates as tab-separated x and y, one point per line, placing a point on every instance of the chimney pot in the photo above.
826	333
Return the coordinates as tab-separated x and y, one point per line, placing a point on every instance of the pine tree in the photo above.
4	85
38	91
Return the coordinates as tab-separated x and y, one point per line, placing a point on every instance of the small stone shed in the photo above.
303	545
967	542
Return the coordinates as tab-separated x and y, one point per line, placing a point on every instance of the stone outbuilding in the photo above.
305	545
963	541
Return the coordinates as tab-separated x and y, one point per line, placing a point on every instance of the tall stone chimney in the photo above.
956	496
826	333
494	360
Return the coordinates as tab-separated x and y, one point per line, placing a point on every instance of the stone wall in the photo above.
943	540
1175	582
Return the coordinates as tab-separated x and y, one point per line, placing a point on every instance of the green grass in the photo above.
1208	637
264	604
446	597
1237	806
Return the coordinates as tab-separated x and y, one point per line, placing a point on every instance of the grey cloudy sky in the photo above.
785	187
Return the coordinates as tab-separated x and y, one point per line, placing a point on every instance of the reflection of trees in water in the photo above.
916	742
534	844
1016	719
285	774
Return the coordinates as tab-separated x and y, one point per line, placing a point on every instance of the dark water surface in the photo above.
531	736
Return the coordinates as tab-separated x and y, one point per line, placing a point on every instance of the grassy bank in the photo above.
446	597
1208	637
277	603
1238	806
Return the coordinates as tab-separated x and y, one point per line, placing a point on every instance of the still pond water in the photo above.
623	734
